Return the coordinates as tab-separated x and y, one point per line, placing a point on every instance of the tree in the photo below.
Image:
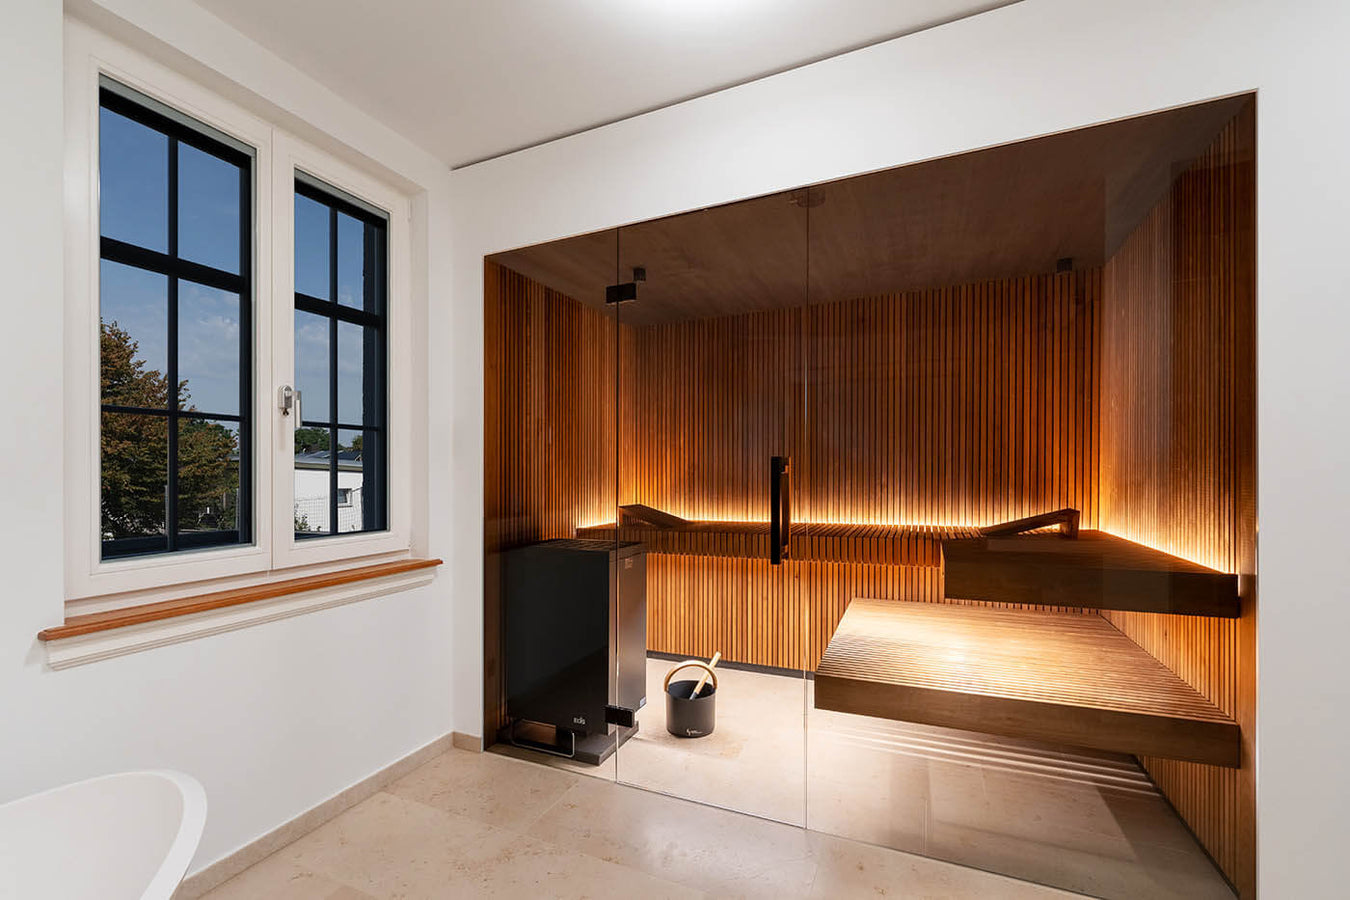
134	450
311	440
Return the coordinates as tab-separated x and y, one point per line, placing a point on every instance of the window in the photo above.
340	288
213	259
175	294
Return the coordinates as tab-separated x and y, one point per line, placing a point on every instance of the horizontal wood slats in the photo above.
1052	677
1178	453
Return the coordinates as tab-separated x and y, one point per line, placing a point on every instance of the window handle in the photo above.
286	399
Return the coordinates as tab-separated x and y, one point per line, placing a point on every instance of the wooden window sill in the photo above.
101	635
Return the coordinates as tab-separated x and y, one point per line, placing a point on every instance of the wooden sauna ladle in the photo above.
712	664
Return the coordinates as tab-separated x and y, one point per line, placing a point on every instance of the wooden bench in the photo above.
1056	677
908	545
1095	569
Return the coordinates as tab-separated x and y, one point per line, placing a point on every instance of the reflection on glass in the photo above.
311	365
133	352
208	349
351	236
133	475
350	472
133	182
208	480
312	273
313	484
208	209
351	368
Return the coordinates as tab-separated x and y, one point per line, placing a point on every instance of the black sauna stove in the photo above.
575	644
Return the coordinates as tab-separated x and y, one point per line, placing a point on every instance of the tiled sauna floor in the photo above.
485	825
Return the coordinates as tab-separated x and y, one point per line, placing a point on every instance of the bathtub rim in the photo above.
192	821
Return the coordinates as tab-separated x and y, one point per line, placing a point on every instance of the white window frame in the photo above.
94	584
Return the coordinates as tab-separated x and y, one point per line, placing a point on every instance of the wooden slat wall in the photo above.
549	451
1178	452
967	405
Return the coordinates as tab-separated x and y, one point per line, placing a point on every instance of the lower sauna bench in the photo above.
1061	678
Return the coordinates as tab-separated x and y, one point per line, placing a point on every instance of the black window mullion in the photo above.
165	264
332	370
171	479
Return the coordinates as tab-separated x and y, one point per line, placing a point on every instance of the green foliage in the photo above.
134	451
311	440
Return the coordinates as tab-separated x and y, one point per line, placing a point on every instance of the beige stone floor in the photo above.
1080	820
485	825
889	809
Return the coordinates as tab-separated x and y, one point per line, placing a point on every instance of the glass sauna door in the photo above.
549	491
710	407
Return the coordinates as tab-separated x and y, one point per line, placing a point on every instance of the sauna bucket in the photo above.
688	716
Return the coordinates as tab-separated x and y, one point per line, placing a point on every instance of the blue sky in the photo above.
134	208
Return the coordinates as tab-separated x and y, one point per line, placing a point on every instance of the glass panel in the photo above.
208	209
208	349
133	182
351	475
312	481
208	482
551	361
351	373
312	336
133	352
351	238
710	392
313	227
133	476
1060	324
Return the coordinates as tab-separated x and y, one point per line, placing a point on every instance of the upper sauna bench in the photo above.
886	545
1014	562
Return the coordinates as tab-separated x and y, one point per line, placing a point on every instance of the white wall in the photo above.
1025	70
273	719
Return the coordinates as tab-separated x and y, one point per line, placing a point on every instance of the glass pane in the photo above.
208	209
710	394
351	476
133	345
133	182
208	482
351	373
208	349
313	486
133	475
313	275
551	357
351	261
311	366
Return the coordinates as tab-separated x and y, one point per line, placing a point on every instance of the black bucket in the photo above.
688	716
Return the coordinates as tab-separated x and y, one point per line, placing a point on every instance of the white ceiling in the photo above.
472	79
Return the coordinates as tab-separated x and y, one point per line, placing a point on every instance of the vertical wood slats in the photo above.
1178	453
954	406
549	444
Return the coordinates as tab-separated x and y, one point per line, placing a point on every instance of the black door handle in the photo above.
780	508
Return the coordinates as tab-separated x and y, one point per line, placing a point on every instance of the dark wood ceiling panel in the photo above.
1003	212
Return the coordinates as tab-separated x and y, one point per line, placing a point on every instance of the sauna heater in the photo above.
575	645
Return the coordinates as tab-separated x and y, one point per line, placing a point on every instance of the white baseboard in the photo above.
255	851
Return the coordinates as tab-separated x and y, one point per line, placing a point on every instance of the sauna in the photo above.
954	466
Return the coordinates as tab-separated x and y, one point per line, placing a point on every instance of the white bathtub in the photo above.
119	836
